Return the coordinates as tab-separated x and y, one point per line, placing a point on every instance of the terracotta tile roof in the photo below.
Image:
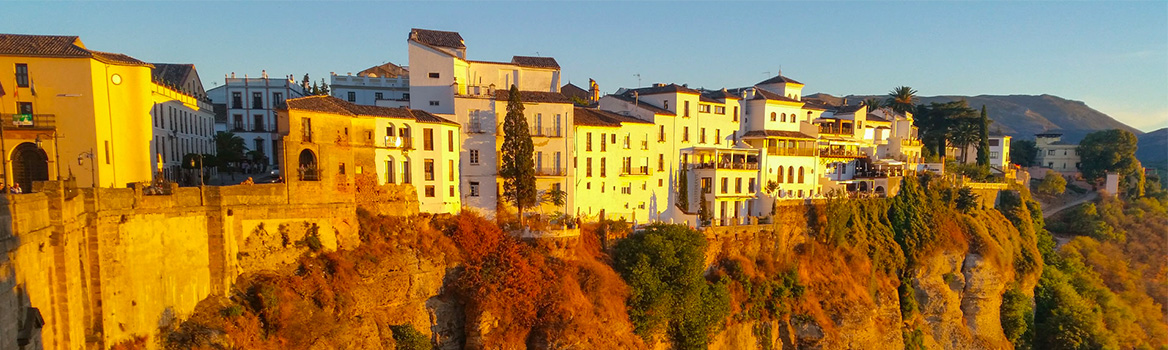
779	79
387	70
42	46
596	117
437	38
329	104
540	62
643	104
533	96
59	46
570	90
763	94
720	95
664	89
777	133
170	74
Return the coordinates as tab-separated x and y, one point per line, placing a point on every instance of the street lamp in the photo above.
92	162
56	151
200	168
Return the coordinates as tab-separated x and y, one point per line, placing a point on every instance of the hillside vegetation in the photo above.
928	269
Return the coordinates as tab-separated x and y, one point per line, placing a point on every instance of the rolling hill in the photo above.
1153	149
1022	116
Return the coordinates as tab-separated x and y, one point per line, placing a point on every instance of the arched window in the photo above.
774	116
791	174
800	176
308	169
780	174
784	118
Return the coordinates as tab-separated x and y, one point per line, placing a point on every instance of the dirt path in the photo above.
1088	197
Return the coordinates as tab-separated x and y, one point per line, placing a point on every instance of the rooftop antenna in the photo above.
767	73
638	75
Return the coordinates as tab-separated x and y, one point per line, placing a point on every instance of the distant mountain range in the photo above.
1153	149
1022	116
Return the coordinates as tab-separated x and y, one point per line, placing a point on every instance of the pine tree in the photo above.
683	190
518	166
983	146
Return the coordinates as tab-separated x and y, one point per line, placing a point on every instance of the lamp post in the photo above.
200	168
56	151
92	164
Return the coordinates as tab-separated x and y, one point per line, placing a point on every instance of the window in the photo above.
666	105
278	98
588	167
736	113
557	126
305	128
237	99
259	123
613	138
719	110
24	107
780	174
750	187
993	154
352	96
557	160
428	139
686	109
702	136
801	175
257	100
774	116
450	170
685	135
22	76
406	172
341	169
703	108
451	192
389	172
661	134
602	142
238	122
406	96
791	174
602	167
430	191
378	96
661	162
707	185
538	161
428	169
538	124
433	103
717	137
473	155
660	182
725	184
450	140
1050	152
588	142
783	117
434	74
738	185
474	189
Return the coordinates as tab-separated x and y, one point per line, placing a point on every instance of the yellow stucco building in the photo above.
94	106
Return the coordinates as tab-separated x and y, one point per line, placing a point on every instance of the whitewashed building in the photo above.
182	117
386	85
250	110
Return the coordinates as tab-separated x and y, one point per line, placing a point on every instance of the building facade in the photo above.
183	120
104	97
386	85
1055	154
250	111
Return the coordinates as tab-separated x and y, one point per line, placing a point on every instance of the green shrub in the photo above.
1017	316
1052	184
408	338
664	266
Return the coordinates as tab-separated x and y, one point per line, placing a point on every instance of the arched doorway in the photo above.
863	186
29	163
307	168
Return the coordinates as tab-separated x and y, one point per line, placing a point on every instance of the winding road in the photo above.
1088	197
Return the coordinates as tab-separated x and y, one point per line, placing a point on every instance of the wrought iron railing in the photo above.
29	121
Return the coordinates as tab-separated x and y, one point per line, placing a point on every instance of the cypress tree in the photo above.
983	146
518	166
683	190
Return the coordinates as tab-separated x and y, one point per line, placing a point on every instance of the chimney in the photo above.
264	73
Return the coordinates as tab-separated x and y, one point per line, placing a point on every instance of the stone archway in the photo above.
307	169
29	164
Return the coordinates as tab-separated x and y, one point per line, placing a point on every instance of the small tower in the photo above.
593	91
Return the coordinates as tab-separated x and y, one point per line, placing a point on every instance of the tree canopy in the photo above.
1106	151
517	151
1023	152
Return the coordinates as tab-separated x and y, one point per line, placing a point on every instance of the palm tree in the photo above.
229	149
873	104
964	132
902	99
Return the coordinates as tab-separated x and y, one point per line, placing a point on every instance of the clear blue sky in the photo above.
1111	55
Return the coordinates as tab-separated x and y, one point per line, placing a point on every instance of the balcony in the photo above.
634	171
726	165
910	142
832	129
557	171
399	142
309	174
787	151
841	153
546	132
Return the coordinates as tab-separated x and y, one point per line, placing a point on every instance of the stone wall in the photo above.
105	266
